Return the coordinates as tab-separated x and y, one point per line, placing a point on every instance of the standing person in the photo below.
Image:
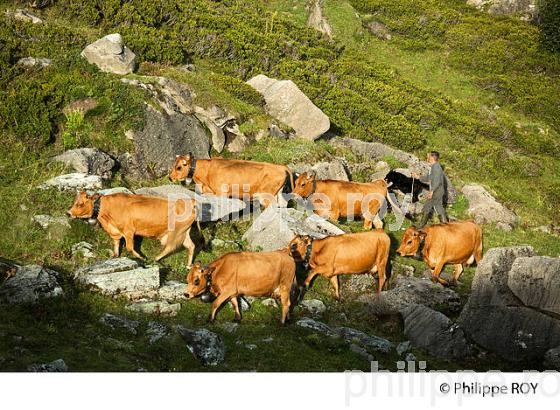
436	180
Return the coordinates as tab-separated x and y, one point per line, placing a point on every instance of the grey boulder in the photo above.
88	161
120	322
110	54
56	366
484	208
38	62
335	169
206	346
76	181
30	284
162	308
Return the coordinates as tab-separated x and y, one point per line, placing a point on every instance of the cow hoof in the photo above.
237	320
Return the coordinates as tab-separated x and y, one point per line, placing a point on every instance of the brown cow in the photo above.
351	253
244	274
125	215
457	243
234	178
343	198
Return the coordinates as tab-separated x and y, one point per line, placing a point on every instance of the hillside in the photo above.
480	89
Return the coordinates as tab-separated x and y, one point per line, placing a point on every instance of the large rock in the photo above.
48	221
172	290
435	333
316	18
163	137
209	207
56	366
117	322
120	276
408	291
74	182
110	55
88	161
536	282
275	227
378	151
496	316
552	359
206	346
30	284
151	307
528	9
335	169
287	103
485	209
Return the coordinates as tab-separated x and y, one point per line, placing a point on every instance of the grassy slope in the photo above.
56	328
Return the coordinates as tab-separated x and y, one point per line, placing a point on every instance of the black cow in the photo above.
400	182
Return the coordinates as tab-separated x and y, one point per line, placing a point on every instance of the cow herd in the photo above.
238	274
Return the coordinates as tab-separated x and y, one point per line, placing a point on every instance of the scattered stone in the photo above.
84	106
552	359
409	357
47	221
209	207
335	169
24	15
74	182
39	62
84	248
285	101
316	19
162	308
361	352
408	291
403	347
57	366
275	227
275	132
120	276
30	284
433	332
172	290
316	326
156	331
315	307
485	209
230	327
379	30
120	322
373	342
269	302
527	9
267	339
206	346
109	54
498	320
245	303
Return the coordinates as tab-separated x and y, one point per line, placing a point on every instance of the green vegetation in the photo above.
481	90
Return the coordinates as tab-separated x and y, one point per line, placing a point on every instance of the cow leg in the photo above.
216	305
116	246
235	305
189	245
309	278
458	269
170	246
285	300
367	223
129	240
280	200
436	272
377	222
382	281
335	283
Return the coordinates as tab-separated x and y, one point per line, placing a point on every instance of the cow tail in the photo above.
288	182
201	234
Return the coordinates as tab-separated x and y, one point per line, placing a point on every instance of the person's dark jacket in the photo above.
436	180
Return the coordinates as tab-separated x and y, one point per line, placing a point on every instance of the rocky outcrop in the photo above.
120	276
160	308
407	291
209	207
117	322
512	321
206	346
48	221
484	208
315	307
110	54
74	182
88	161
435	333
83	248
34	62
379	30
334	169
287	103
24	15
528	9
172	290
56	366
275	227
30	284
316	18
552	359
156	331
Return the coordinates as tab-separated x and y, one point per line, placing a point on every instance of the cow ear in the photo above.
311	174
422	234
209	270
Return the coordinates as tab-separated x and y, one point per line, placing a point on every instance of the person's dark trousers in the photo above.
435	203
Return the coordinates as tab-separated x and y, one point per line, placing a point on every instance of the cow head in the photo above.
181	166
83	206
304	184
410	242
298	246
197	280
